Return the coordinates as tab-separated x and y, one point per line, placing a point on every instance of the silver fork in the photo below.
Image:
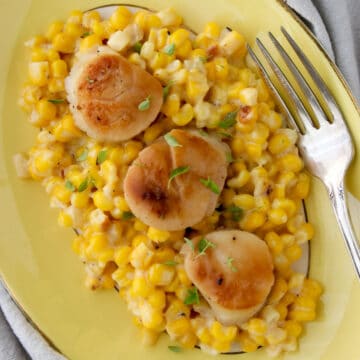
327	149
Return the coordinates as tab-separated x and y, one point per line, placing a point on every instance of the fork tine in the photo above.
291	119
313	101
331	103
304	116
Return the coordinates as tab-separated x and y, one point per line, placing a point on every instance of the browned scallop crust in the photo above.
105	90
184	201
236	289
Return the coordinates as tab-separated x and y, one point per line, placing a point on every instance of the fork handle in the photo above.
339	203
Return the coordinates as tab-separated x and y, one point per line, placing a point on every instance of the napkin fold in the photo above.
335	24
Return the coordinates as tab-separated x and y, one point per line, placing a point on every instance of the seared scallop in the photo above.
234	274
185	200
105	90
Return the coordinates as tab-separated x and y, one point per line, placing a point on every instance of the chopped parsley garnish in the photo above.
189	243
229	120
178	171
137	47
236	212
203	245
69	185
203	133
171	140
175	349
203	59
56	101
229	157
192	297
166	90
169	49
83	155
145	104
85	34
126	215
229	263
101	157
211	185
170	263
83	186
224	134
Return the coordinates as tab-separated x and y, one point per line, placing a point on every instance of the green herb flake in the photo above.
69	185
178	171
56	101
137	47
126	215
203	133
192	297
85	34
169	49
211	185
224	134
83	186
170	263
229	157
166	90
236	212
83	156
171	140
229	263
203	245
89	80
229	120
189	243
101	157
203	59
145	104
175	349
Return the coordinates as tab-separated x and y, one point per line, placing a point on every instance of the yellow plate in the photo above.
35	257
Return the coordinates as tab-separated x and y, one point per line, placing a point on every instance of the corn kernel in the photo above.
141	256
59	69
172	105
140	287
232	43
169	17
184	116
80	199
64	219
274	242
157	299
39	72
279	143
239	181
55	28
46	111
90	41
161	275
256	326
158	236
277	216
122	255
291	162
120	18
63	43
246	343
293	252
292	328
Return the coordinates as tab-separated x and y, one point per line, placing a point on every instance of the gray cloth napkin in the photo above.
335	23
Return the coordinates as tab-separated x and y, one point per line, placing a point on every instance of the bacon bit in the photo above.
212	51
243	114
